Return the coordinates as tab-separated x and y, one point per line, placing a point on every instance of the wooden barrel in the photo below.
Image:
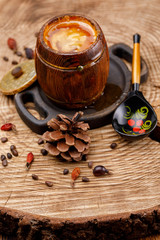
72	79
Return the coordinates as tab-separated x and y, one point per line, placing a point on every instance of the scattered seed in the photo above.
12	147
4	139
100	171
15	152
35	177
40	141
29	53
48	183
85	179
113	145
5	162
14	62
65	171
5	58
9	155
44	152
17	72
12	44
19	54
90	164
3	157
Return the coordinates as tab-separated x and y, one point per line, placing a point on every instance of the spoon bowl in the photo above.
135	118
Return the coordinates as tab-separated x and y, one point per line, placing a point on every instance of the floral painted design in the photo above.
136	121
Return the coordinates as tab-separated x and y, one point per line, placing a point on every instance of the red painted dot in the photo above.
139	123
142	131
136	129
131	122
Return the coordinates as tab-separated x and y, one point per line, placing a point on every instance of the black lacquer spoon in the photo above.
135	118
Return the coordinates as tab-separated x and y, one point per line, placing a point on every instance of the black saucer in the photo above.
97	115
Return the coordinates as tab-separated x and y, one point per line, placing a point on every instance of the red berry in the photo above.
7	127
139	123
131	122
136	129
142	131
75	173
12	43
30	158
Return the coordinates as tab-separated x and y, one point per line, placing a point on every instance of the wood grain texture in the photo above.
134	185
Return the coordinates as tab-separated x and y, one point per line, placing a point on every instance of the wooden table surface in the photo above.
119	20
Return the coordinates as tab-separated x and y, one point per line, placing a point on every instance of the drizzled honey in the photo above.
70	35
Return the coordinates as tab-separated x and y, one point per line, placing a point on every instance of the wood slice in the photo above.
123	205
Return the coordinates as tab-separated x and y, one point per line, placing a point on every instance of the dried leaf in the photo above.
56	135
69	139
66	156
79	145
82	136
74	153
46	136
62	147
52	149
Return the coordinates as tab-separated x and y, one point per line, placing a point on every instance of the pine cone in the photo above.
69	138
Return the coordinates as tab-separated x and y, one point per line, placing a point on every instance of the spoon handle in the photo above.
136	62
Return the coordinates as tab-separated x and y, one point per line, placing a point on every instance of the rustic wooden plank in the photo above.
134	185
